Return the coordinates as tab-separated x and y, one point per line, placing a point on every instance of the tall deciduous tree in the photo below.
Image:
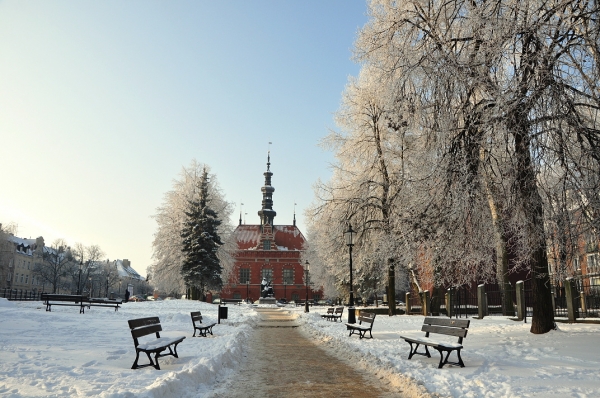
201	268
496	96
57	261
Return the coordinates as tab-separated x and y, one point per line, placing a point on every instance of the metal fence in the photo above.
528	292
495	299
415	305
589	297
20	295
463	302
560	300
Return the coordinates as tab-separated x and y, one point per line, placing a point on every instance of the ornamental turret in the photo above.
267	214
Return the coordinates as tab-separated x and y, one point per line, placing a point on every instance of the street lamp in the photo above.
285	290
79	282
349	235
120	288
107	286
306	280
247	290
91	286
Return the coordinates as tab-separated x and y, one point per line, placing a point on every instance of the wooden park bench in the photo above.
367	318
104	302
328	314
231	301
201	328
444	326
333	314
146	326
76	300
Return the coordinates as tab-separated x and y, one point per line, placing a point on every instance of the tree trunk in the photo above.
501	251
391	288
543	314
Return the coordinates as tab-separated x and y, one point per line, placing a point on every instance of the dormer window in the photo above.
267	245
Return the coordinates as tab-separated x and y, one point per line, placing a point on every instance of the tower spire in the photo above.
267	214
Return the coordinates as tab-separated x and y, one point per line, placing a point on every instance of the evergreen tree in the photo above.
201	268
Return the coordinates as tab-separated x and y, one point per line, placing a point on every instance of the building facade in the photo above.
20	260
269	254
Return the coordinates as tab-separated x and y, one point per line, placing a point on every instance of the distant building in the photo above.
125	270
268	253
19	258
19	261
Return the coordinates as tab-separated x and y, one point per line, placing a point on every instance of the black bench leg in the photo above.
172	351
414	351
460	361
135	363
442	360
155	363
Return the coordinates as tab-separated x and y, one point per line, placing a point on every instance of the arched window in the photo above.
267	274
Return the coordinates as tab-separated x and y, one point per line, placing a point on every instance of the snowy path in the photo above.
281	361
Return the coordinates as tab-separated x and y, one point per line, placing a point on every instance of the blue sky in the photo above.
102	103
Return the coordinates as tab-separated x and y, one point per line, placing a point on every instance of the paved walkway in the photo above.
281	362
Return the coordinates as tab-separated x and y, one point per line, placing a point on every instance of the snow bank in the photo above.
502	358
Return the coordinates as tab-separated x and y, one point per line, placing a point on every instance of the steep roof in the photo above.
287	237
126	271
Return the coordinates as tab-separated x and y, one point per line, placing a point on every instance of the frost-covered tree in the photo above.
516	78
495	98
88	257
201	268
367	185
57	261
170	218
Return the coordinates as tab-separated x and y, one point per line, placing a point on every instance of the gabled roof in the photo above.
287	237
126	271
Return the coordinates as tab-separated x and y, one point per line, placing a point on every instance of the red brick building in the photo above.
268	253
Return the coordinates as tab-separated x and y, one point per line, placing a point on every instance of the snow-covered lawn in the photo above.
502	358
66	354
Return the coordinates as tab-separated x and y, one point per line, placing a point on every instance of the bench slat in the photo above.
145	330
445	330
136	323
457	323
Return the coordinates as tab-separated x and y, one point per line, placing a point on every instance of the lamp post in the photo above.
285	290
120	288
247	290
349	235
79	282
107	286
91	286
306	280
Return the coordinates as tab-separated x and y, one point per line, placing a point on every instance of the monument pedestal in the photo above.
267	300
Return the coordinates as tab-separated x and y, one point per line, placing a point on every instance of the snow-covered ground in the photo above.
66	354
